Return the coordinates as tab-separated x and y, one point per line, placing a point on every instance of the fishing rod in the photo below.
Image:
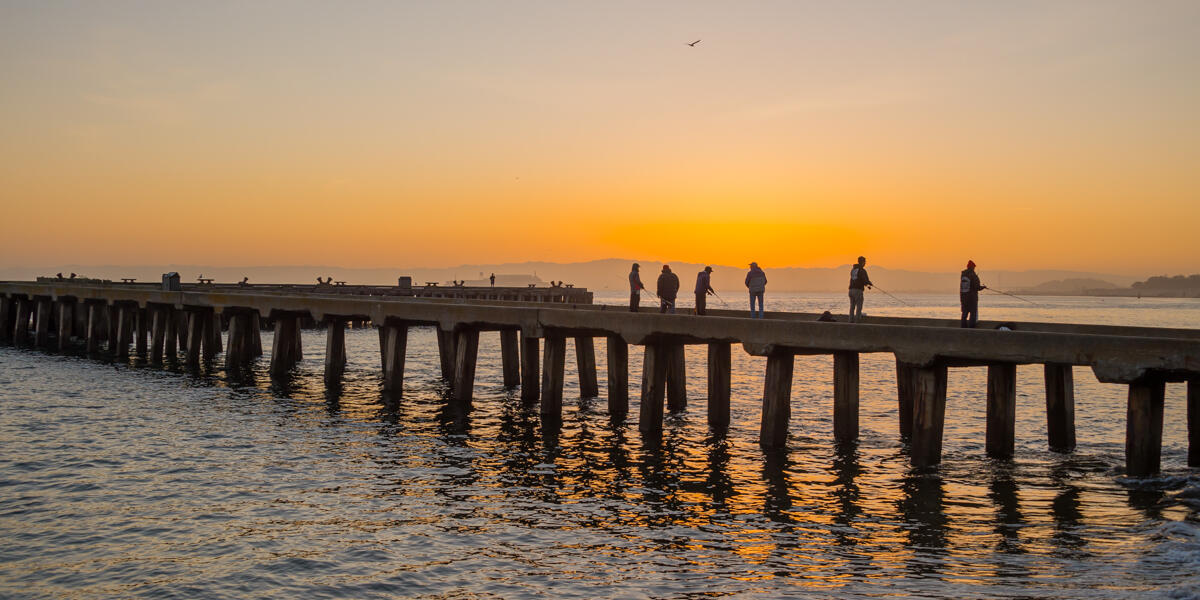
656	296
890	296
1013	295
723	302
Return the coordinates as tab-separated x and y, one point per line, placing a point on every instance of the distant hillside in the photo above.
1070	287
606	274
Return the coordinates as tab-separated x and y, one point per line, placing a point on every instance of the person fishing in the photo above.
668	287
756	281
858	281
703	289
968	296
635	288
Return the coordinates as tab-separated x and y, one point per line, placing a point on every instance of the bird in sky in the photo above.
693	44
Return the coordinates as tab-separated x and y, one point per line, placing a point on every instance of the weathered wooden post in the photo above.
182	320
285	349
1001	409
395	347
158	334
1193	418
530	378
719	365
446	353
654	386
585	360
237	351
777	399
142	331
171	337
904	397
676	377
845	396
256	334
42	323
66	320
510	357
335	349
6	318
1143	426
95	326
618	376
1060	407
553	373
466	351
195	336
929	414
125	323
210	334
112	317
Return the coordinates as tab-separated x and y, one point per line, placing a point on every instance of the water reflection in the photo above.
923	510
1003	494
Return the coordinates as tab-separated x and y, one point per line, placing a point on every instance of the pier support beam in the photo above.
142	331
335	349
929	414
777	400
286	349
446	353
171	337
585	360
158	333
395	346
904	397
654	387
6	319
237	350
42	323
124	336
845	396
466	351
618	376
1193	419
553	373
210	334
66	321
256	334
182	320
1001	409
510	357
1143	426
719	365
530	376
195	337
95	326
1060	407
676	378
24	308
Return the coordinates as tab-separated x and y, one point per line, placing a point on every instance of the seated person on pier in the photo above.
242	283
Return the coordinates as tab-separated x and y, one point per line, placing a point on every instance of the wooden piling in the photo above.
66	320
719	365
335	350
42	323
142	331
845	396
256	348
1060	407
618	375
158	334
530	377
395	347
446	353
195	336
676	378
1193	419
929	414
171	337
553	373
466	351
585	360
1001	409
182	320
510	357
237	351
125	324
21	325
283	347
1143	426
210	334
95	323
654	387
777	400
904	397
6	318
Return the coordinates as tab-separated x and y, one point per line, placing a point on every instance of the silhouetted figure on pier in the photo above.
72	276
59	275
635	288
668	287
243	282
492	279
968	295
756	282
703	289
858	281
827	317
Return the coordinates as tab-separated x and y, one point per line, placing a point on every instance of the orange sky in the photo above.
1024	136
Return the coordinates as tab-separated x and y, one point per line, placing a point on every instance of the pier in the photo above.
200	322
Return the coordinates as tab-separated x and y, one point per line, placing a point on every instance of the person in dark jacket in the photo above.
756	282
635	288
668	287
968	295
703	289
858	281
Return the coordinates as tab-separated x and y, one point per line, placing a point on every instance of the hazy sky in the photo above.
1019	134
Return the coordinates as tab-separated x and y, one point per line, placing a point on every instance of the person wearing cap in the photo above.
858	281
635	288
968	295
703	289
668	287
756	281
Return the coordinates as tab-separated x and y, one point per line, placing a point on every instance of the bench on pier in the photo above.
339	284
204	280
128	279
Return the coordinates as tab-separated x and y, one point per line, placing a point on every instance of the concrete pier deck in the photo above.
1141	358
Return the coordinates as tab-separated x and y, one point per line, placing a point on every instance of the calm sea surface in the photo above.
126	481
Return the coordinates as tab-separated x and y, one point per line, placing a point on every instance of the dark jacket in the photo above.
668	285
969	286
635	281
703	285
859	278
756	280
